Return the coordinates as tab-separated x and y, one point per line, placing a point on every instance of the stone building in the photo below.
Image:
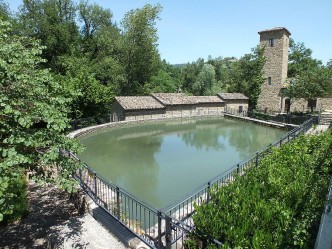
174	105
276	44
181	105
235	101
136	108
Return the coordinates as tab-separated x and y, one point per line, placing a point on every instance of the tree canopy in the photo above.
33	117
311	79
140	55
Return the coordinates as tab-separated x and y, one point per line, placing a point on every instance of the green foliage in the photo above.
53	22
205	81
226	75
277	205
33	117
300	59
13	198
139	55
190	73
162	83
5	14
311	79
247	75
91	97
313	83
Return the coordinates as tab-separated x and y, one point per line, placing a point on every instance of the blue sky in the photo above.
194	29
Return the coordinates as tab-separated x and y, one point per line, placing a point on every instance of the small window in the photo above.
240	109
312	103
271	42
269	80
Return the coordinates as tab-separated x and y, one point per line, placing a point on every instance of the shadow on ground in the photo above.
48	206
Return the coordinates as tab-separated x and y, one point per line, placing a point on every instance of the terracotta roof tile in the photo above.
232	96
208	99
174	98
139	102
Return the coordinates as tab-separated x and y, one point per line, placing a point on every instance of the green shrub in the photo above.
277	205
13	198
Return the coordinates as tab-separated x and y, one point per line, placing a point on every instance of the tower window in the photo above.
269	80
271	42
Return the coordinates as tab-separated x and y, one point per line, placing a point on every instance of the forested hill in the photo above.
95	58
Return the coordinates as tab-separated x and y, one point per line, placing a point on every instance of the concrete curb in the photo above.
127	237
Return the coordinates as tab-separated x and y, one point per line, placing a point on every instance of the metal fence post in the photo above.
208	192
118	202
80	173
160	244
95	183
238	168
256	162
168	235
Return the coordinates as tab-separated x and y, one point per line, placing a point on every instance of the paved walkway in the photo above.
324	237
315	130
82	232
53	218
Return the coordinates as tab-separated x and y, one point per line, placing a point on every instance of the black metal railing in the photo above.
168	227
135	214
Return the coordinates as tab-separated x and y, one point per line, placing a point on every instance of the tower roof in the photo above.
275	29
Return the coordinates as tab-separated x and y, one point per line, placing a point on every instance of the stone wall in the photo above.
144	115
177	111
301	105
235	104
117	112
197	110
324	104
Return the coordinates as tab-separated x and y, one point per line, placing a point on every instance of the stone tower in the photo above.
276	44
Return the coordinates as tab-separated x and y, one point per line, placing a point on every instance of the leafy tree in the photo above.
53	22
313	83
247	76
311	79
96	22
190	73
140	55
33	117
329	64
300	59
162	83
223	68
92	98
5	13
205	80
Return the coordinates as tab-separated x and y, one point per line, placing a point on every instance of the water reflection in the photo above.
162	161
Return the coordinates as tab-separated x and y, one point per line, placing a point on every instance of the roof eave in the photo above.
272	30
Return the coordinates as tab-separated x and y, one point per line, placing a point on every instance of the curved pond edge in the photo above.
170	224
91	129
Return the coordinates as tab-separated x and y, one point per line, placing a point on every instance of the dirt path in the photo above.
51	212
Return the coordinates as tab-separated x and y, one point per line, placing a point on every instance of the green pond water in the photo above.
160	162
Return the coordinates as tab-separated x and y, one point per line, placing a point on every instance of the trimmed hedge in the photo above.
276	205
